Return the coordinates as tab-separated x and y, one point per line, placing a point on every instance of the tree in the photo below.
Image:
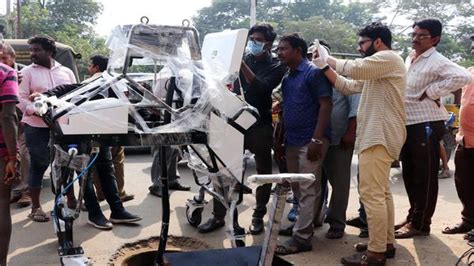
340	35
287	16
68	22
457	18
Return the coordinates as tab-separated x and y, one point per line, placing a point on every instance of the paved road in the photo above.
36	244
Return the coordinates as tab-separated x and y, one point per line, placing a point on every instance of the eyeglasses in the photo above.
420	36
363	41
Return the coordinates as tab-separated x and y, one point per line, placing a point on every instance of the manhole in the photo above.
142	252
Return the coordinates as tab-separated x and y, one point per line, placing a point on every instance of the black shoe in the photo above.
286	231
389	253
100	222
177	186
211	225
356	222
124	217
257	226
155	191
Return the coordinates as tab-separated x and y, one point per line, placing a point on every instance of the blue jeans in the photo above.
37	141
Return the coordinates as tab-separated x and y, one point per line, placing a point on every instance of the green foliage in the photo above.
68	22
457	17
338	21
340	35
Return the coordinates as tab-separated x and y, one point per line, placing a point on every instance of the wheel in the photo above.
195	217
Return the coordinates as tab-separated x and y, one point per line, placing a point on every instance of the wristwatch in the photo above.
326	68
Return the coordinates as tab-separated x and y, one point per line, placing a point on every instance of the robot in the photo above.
193	109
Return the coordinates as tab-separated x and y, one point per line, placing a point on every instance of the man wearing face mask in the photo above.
260	73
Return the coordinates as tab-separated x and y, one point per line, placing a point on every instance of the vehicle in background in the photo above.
65	55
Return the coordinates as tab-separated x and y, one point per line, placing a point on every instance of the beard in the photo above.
370	51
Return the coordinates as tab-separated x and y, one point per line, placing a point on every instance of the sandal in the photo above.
408	232
291	246
459	228
38	215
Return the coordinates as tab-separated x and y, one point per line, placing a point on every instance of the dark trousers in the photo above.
259	141
106	175
37	141
420	161
464	180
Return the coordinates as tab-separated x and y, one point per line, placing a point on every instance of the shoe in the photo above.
291	246
100	222
286	231
460	228
364	233
356	222
126	197
293	214
211	225
257	226
25	200
15	197
333	233
408	231
124	217
155	191
363	259
177	186
445	173
389	254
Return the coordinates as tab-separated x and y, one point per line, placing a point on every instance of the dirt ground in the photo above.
36	243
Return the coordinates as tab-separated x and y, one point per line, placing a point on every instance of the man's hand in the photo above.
348	141
10	173
315	151
424	96
320	55
34	95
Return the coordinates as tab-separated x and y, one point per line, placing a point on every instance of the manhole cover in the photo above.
142	252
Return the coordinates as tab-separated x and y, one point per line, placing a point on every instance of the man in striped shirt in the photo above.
430	75
380	76
8	150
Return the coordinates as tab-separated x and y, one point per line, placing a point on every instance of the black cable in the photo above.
467	254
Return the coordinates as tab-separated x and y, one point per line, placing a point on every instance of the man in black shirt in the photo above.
260	73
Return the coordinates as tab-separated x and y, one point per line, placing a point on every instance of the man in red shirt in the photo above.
8	150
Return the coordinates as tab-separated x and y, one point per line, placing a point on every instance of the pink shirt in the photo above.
40	79
8	93
466	130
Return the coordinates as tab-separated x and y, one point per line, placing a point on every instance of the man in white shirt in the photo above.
430	75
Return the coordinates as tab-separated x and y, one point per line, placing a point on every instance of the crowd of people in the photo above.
379	106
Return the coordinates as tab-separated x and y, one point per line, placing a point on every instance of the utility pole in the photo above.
253	12
8	7
18	26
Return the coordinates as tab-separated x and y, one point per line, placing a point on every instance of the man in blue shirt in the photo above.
306	114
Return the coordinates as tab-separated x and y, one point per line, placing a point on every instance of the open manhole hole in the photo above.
143	252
